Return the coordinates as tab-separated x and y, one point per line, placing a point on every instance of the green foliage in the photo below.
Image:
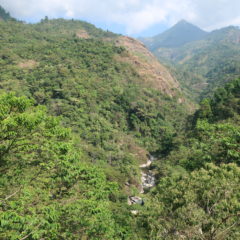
81	80
50	189
47	191
224	104
218	143
201	205
62	184
205	110
214	134
197	195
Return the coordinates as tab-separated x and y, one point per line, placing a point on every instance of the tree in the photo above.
203	205
47	191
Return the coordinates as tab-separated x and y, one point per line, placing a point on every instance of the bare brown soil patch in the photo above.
82	34
28	64
147	66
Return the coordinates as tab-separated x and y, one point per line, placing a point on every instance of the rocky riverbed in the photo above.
147	181
147	178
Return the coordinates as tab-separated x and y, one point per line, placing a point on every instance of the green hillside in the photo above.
61	181
83	79
197	195
82	113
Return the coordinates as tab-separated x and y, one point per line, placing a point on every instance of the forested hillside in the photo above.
119	103
85	116
197	195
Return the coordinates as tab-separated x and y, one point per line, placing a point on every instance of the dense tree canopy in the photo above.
47	188
80	123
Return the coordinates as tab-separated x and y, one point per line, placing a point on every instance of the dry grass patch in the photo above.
28	64
82	34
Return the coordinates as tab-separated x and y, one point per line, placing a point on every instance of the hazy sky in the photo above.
132	17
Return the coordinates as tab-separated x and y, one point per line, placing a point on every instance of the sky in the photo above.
131	17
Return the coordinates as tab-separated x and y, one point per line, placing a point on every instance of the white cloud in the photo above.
135	15
153	12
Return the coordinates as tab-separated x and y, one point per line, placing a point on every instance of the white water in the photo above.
147	178
147	182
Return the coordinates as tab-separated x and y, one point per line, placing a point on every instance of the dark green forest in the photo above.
77	121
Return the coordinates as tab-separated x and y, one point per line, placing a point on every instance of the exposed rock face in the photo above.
147	164
135	200
148	67
134	212
148	180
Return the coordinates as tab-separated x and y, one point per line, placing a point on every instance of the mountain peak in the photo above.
183	21
181	33
185	24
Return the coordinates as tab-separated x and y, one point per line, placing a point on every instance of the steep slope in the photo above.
108	88
180	34
198	181
148	67
120	104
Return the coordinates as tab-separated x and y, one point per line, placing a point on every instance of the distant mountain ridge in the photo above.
180	34
206	61
227	34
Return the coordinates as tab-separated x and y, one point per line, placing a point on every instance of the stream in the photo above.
147	182
147	178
